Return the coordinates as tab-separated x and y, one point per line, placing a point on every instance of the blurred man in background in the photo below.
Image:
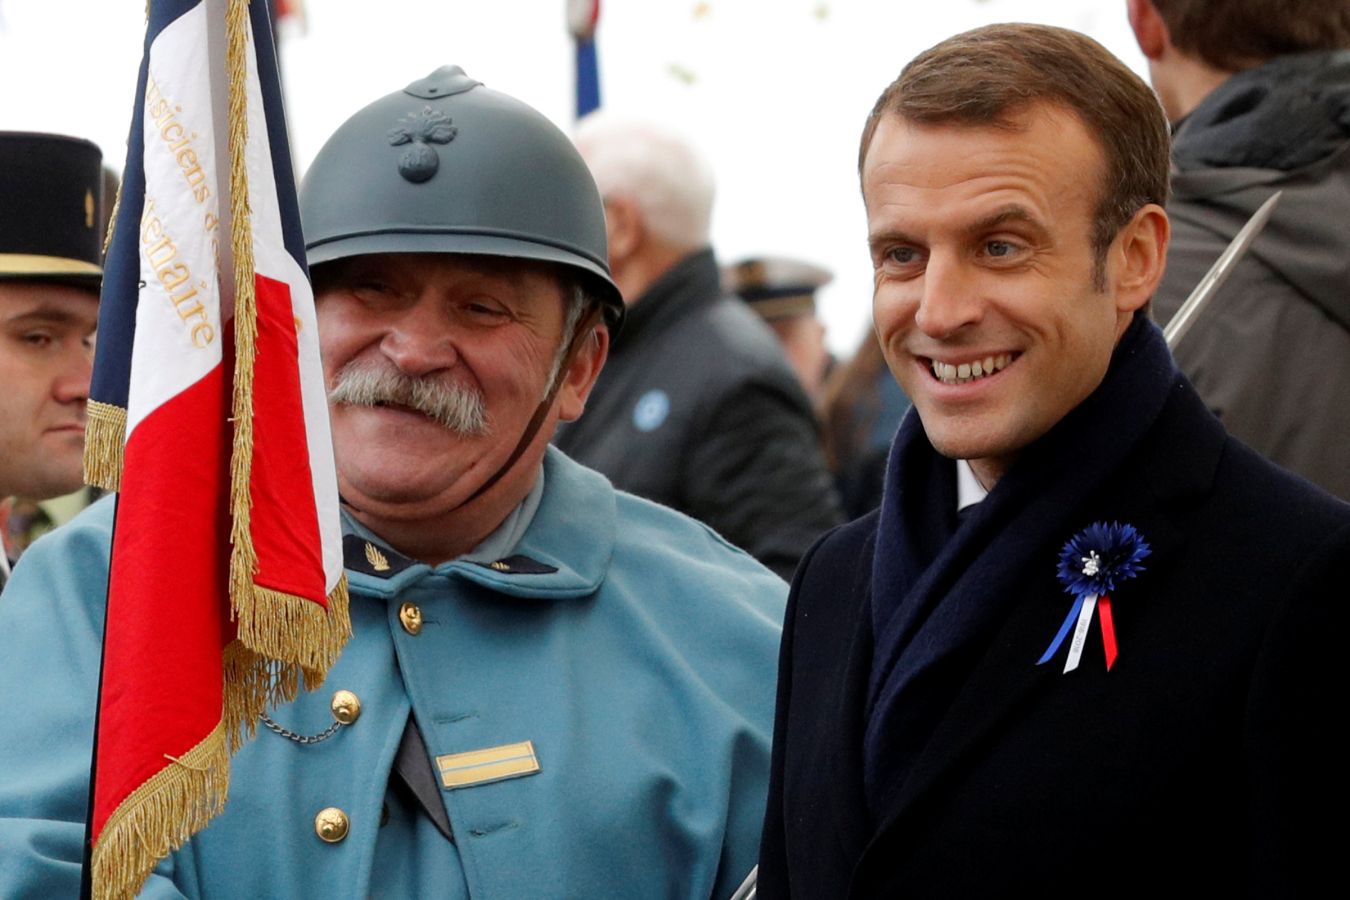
1258	92
783	292
697	407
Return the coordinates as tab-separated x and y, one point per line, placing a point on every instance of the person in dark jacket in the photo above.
1116	670
697	408
1259	94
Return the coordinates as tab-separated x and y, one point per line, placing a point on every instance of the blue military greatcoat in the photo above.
596	705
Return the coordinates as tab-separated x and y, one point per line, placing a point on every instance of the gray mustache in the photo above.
458	408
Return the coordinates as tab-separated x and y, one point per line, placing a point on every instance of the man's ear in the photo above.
1150	31
1141	256
624	227
580	376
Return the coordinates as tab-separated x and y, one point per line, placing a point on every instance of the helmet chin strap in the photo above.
579	335
583	329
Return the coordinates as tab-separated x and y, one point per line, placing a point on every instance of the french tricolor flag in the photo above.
208	417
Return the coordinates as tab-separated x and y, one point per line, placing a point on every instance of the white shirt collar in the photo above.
969	491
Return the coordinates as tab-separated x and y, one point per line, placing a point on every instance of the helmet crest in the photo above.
474	171
420	161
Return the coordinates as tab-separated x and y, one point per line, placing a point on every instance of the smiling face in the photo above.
46	355
984	298
414	339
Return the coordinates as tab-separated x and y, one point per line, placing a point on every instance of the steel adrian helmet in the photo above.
449	166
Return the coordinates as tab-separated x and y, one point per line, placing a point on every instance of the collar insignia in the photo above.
369	558
378	561
519	565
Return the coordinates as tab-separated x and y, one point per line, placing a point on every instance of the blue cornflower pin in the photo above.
1093	563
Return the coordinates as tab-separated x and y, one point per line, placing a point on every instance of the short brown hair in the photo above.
1238	34
988	75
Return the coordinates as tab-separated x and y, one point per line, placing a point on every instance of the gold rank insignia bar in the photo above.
486	766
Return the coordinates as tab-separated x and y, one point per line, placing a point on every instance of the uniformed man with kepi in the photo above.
783	291
50	244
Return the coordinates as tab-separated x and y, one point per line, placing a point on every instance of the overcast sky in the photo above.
773	91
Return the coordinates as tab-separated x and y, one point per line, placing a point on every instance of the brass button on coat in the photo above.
331	825
346	707
410	614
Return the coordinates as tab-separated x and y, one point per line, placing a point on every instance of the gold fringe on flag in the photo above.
159	816
243	559
293	639
252	683
105	431
105	436
299	631
276	623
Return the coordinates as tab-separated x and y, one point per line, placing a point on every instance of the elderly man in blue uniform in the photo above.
1117	672
50	244
553	689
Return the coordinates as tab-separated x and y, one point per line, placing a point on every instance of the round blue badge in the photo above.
651	410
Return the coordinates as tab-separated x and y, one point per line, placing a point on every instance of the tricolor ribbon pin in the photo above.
1093	562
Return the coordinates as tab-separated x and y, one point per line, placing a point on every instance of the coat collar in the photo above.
937	599
691	283
564	553
844	754
1282	115
1169	473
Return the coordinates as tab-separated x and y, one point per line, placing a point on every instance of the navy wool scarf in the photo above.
936	587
